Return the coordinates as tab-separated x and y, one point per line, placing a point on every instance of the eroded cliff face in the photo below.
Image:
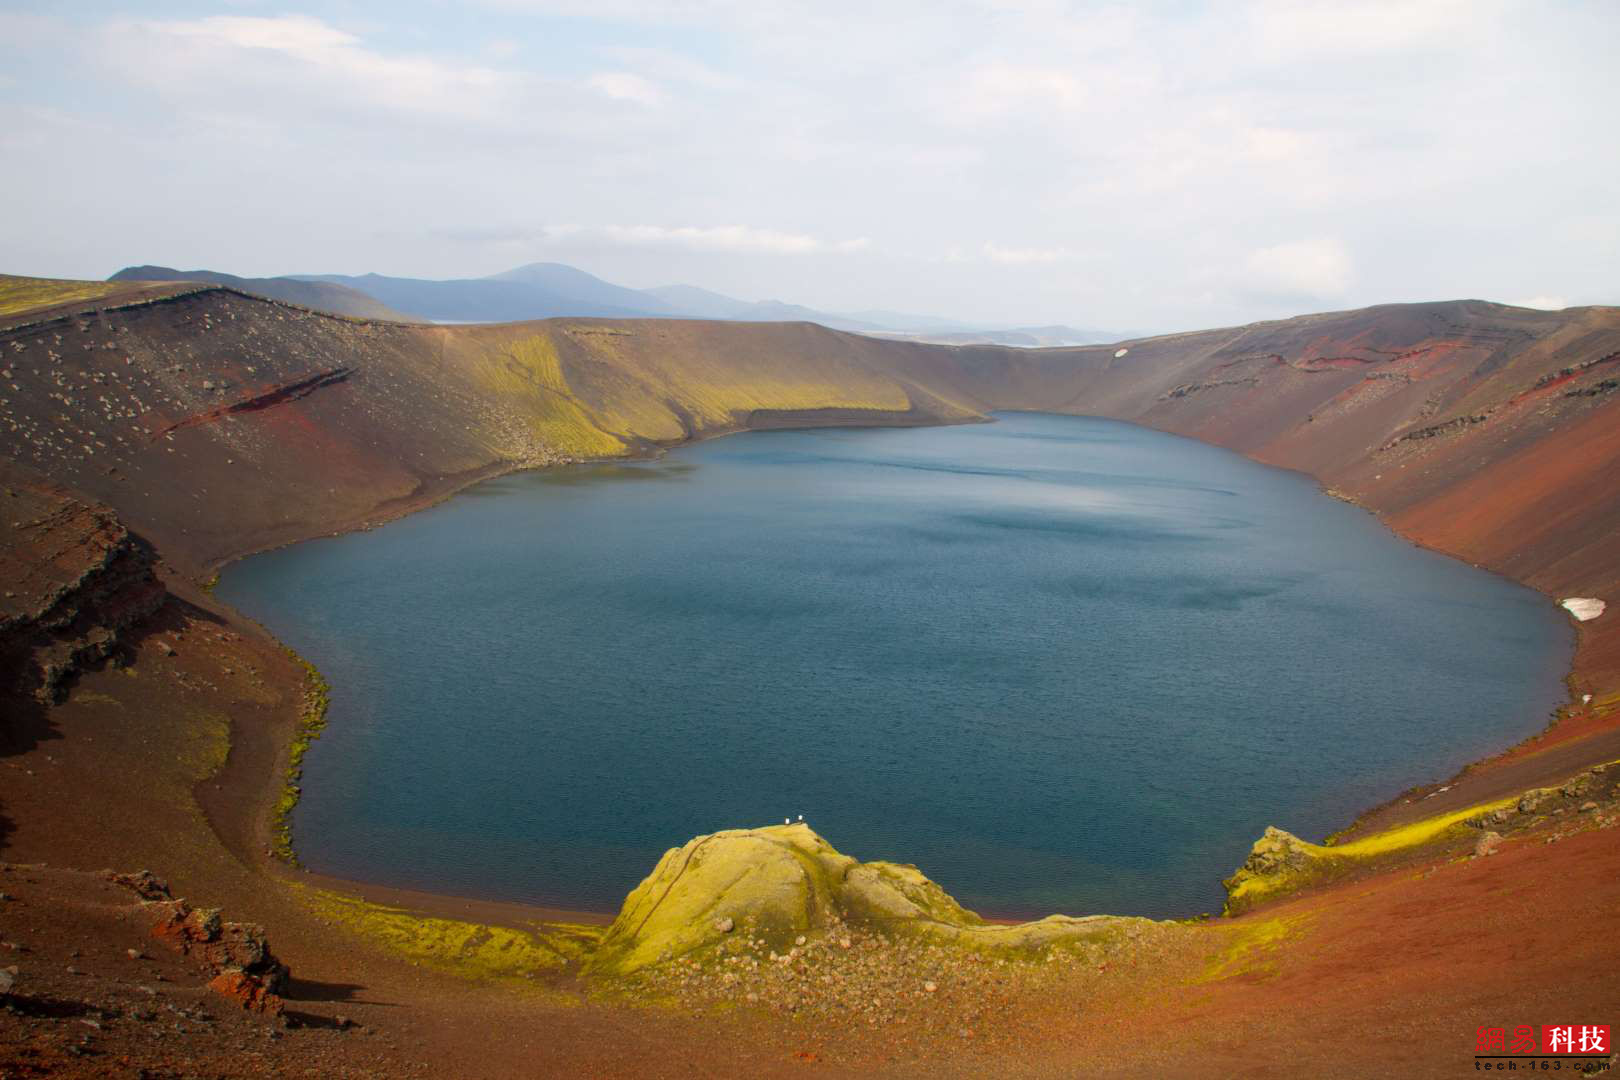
75	580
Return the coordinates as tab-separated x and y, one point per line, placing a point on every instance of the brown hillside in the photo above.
320	295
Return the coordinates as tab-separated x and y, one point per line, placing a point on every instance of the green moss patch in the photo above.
472	950
311	721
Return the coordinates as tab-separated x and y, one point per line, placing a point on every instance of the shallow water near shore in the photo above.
1060	664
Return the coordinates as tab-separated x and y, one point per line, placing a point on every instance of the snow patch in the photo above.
1120	352
1583	607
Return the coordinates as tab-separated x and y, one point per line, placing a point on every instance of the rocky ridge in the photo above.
75	580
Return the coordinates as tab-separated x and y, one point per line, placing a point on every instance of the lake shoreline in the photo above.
448	904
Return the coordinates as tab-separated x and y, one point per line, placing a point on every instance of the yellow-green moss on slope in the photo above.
26	293
211	746
311	720
1250	949
784	881
586	390
661	376
529	381
473	950
1281	863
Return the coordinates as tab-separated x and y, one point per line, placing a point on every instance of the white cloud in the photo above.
1018	256
998	88
736	239
1317	268
297	54
625	86
1293	27
671	66
32	31
1545	303
301	36
1166	140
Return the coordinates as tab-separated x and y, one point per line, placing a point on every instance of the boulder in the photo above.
252	992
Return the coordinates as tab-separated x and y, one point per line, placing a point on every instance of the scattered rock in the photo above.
8	979
930	987
1588	806
725	925
144	883
1487	844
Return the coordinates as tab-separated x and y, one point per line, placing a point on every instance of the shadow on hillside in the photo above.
178	612
296	989
48	1008
25	722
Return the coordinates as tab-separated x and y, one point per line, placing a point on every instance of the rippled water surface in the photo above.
1060	664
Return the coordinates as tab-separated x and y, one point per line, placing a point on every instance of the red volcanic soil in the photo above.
1388	977
152	434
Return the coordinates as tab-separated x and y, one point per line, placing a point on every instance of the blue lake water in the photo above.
1061	664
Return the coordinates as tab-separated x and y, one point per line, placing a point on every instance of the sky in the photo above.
1142	167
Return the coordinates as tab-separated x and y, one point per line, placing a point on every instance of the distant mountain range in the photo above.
547	290
321	295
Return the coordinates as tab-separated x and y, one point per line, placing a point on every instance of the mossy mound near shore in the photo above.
785	881
1281	864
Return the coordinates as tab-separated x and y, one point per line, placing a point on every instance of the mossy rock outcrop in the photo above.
1281	864
779	882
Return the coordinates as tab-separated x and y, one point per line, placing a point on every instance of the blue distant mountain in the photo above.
536	291
545	290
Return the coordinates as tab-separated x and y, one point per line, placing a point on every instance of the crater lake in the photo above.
1060	664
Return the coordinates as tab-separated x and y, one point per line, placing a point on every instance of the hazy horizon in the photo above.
1155	167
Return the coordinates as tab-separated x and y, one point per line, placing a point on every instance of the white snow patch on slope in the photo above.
1583	607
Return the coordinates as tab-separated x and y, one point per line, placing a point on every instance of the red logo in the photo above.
1559	1039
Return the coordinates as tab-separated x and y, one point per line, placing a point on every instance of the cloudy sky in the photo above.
1145	166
